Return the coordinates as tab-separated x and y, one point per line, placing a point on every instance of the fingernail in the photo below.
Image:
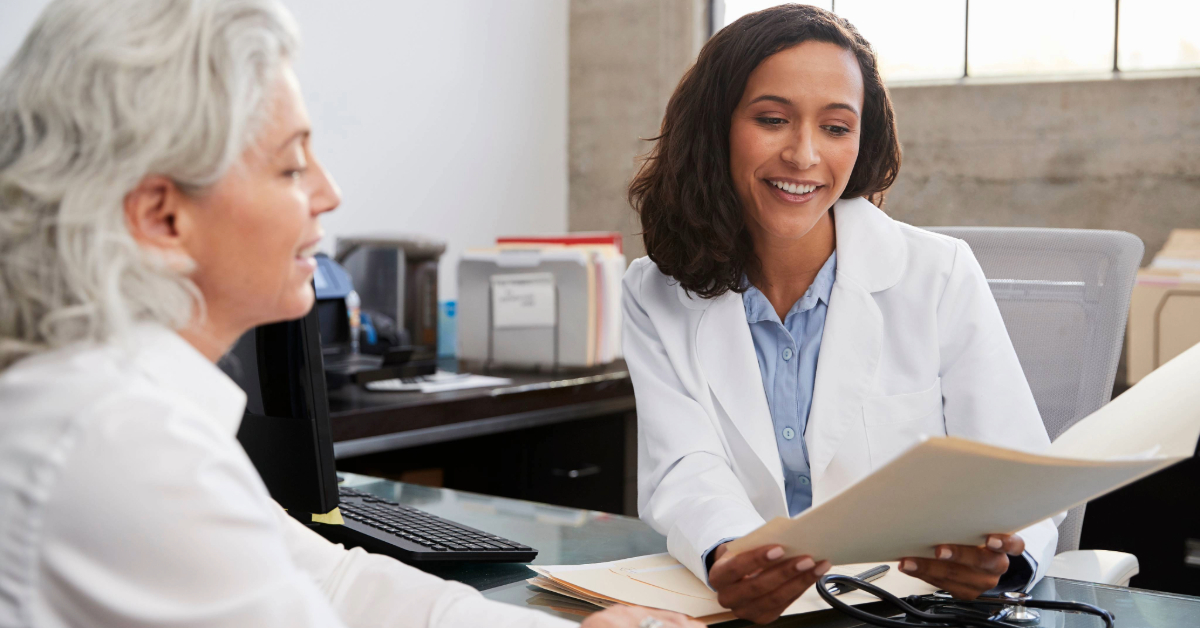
823	568
944	552
805	564
908	566
774	553
994	543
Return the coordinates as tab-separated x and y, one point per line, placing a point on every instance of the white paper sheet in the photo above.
950	490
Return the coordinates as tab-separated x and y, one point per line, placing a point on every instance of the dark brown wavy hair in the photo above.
692	221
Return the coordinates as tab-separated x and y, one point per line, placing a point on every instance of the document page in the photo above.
659	581
951	490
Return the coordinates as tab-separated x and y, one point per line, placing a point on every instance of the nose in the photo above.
326	195
801	151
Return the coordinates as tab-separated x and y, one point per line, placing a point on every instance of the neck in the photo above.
788	268
211	338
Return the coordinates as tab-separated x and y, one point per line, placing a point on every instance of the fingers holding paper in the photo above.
966	571
758	585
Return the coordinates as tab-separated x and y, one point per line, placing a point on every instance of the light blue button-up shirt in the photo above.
787	359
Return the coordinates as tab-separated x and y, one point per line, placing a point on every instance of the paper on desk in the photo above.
950	490
440	381
659	581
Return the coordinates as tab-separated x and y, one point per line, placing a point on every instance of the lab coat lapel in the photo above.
850	351
730	364
871	258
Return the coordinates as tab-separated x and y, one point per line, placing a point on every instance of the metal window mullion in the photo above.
1116	34
966	35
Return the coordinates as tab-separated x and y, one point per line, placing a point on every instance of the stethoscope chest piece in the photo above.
1015	610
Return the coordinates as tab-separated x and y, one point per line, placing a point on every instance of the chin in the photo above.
791	229
300	304
305	301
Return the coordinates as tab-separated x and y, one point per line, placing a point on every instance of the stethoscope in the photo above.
1010	610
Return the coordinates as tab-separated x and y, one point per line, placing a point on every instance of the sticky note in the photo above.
333	517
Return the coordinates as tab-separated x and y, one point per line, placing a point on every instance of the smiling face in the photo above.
253	235
794	138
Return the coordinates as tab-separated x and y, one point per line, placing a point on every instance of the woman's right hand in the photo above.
758	585
635	616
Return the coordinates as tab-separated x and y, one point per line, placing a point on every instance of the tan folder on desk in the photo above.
944	490
659	581
950	490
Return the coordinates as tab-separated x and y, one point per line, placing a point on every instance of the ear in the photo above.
152	215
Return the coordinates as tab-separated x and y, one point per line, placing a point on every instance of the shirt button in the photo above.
787	354
804	480
789	433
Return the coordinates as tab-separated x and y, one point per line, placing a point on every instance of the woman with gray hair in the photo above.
158	198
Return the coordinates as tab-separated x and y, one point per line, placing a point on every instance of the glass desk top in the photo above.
562	536
566	536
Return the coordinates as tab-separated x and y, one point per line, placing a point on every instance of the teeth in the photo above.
310	251
793	188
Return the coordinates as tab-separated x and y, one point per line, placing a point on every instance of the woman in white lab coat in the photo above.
158	198
784	335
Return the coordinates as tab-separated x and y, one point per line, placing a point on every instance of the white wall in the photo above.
446	118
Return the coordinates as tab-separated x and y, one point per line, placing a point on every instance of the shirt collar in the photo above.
177	367
759	308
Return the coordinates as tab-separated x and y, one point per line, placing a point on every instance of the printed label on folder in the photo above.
524	300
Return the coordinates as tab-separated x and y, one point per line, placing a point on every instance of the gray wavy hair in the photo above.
101	94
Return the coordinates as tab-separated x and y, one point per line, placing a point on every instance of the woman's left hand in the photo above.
966	571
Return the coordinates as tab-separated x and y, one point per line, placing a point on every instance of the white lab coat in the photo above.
913	344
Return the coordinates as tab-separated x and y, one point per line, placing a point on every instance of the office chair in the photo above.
1064	296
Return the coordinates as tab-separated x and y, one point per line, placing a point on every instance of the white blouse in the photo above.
126	500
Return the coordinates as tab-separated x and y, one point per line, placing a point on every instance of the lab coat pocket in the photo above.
896	422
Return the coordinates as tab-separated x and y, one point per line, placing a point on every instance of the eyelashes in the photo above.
771	121
836	130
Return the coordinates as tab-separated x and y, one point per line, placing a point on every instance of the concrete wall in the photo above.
1102	154
626	57
1098	154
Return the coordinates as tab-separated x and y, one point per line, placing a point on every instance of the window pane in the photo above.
737	8
1159	34
915	39
1009	37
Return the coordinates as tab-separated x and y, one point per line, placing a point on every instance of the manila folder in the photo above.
956	491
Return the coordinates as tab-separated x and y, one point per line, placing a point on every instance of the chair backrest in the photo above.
1064	296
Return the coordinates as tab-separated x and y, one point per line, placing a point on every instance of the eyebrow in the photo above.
301	134
784	101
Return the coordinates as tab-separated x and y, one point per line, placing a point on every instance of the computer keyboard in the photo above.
411	535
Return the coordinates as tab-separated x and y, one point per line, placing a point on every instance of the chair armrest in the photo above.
1100	566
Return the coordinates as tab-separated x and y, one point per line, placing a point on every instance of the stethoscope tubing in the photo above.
965	617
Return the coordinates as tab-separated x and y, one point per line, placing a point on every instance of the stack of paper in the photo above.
659	581
440	381
606	268
541	303
943	490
